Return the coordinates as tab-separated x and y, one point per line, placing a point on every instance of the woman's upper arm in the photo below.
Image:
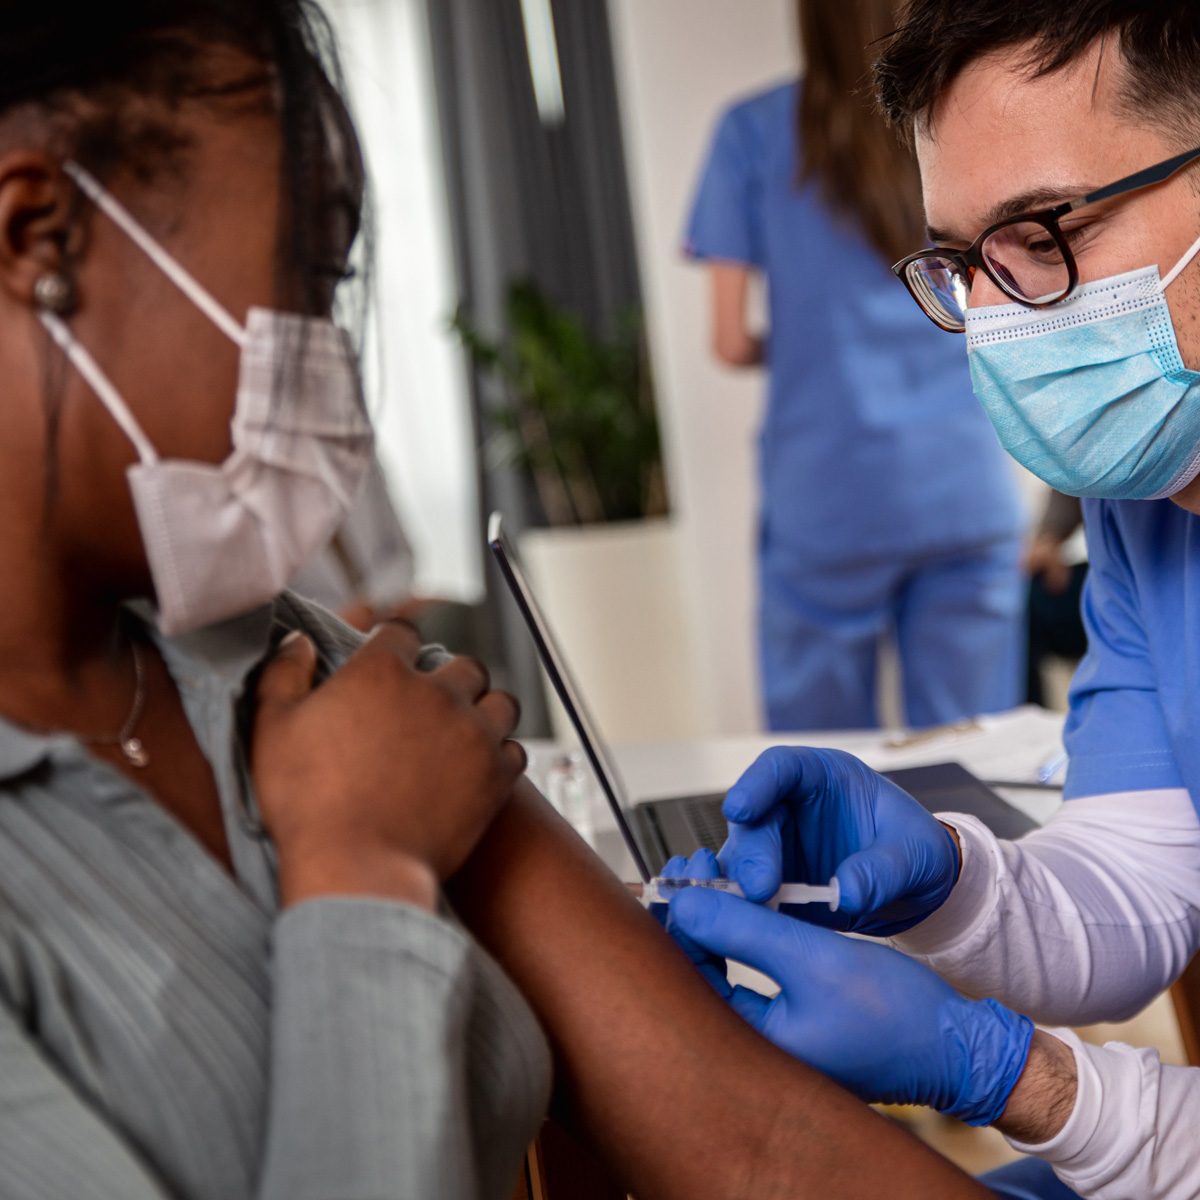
678	1094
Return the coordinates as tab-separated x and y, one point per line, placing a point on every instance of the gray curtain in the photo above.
530	202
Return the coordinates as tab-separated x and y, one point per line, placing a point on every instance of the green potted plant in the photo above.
575	410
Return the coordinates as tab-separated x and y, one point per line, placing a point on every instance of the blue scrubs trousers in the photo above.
957	619
1028	1179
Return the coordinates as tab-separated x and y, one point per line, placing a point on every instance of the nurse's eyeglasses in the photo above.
1028	257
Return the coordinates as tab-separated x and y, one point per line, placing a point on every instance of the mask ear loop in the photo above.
124	219
1173	273
99	382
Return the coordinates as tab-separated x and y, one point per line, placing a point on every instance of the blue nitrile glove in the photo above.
701	865
880	1024
803	816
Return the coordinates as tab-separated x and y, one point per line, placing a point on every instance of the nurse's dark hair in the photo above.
1158	41
864	171
106	76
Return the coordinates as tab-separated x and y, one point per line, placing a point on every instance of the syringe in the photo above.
660	889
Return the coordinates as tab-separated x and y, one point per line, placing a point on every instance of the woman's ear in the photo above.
38	224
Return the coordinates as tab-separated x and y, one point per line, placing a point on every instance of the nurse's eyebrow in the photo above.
1023	202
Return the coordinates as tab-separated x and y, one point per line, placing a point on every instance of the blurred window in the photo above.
415	374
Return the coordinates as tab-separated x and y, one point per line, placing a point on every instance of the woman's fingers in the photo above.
500	712
516	757
466	678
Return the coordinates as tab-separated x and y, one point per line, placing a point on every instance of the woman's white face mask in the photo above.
222	540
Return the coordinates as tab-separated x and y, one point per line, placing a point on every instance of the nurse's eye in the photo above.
1043	248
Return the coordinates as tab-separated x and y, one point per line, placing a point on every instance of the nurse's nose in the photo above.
984	291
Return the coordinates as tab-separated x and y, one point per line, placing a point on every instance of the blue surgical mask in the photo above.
1091	394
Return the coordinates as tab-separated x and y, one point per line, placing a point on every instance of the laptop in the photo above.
655	830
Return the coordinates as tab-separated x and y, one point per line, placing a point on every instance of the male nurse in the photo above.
1059	145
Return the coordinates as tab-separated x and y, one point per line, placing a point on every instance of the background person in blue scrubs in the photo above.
887	506
1059	143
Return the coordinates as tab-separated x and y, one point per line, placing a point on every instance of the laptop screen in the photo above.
565	687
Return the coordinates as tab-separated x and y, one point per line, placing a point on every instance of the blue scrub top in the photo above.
1134	722
873	443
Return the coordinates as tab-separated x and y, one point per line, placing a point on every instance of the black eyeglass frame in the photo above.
972	258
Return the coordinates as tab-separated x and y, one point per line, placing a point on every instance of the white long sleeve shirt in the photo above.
1088	919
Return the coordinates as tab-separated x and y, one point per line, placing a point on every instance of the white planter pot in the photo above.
613	594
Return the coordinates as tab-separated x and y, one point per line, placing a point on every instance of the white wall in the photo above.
678	63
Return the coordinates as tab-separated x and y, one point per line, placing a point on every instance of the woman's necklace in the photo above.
126	741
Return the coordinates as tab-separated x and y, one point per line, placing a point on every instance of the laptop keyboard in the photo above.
707	824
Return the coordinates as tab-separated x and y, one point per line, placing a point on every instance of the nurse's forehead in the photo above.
1000	142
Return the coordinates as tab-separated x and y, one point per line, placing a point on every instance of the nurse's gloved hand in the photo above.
804	816
701	865
880	1024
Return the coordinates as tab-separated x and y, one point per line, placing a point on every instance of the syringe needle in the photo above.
661	888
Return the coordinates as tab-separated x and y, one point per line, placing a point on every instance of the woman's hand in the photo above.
382	780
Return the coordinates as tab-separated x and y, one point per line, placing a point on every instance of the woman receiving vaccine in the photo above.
231	829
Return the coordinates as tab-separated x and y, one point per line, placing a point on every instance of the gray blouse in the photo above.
165	1032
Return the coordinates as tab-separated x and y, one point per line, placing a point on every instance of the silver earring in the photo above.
55	293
